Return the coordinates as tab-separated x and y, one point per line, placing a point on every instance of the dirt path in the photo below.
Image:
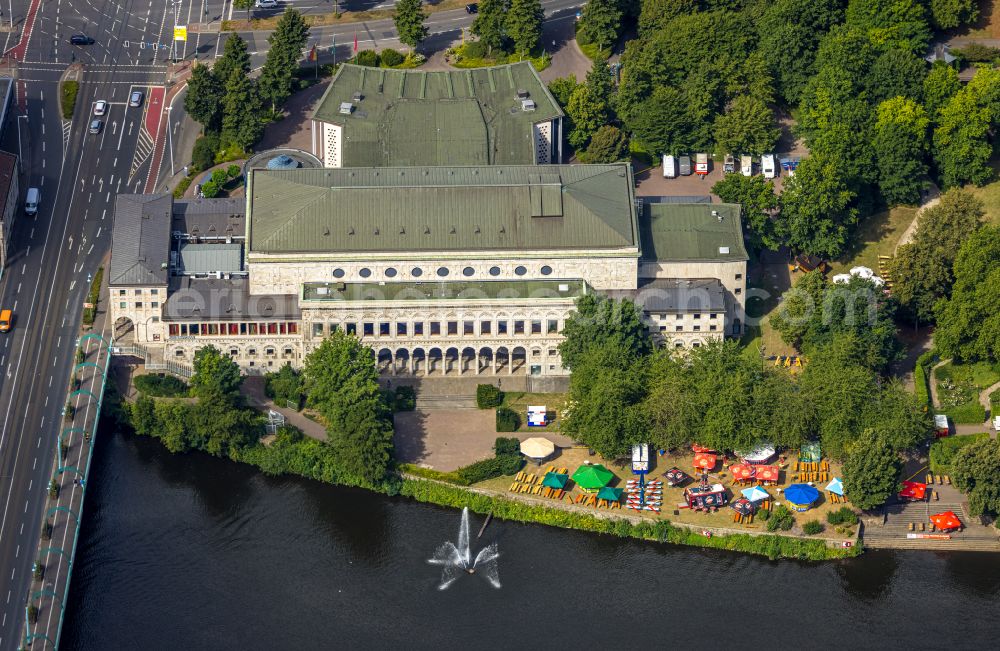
934	197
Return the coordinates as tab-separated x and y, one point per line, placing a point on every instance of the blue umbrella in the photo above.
801	494
755	493
836	486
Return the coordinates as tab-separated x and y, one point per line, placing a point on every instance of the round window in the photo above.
338	273
416	272
546	270
494	271
468	271
365	272
442	271
520	270
390	273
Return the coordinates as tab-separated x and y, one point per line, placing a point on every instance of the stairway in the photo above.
893	535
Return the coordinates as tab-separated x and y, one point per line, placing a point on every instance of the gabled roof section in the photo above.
355	210
692	231
140	241
450	117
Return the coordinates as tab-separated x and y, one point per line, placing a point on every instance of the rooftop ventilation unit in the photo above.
346	108
357	96
522	93
527	105
723	250
322	291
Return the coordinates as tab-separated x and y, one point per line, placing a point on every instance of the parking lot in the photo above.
650	182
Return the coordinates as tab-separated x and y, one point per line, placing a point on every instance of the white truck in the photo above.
768	166
746	165
701	164
669	166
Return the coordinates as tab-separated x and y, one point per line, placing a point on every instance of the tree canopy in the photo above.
758	203
817	211
409	20
968	322
871	472
599	321
976	470
286	42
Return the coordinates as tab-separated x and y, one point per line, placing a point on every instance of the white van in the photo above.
31	201
746	165
768	167
669	166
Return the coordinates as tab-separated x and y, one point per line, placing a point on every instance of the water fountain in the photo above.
457	559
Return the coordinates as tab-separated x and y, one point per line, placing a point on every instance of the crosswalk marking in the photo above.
143	148
66	126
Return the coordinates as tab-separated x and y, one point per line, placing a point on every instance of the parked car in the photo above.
265	4
669	166
472	8
96	126
729	165
135	99
746	165
100	107
31	201
685	164
768	166
81	39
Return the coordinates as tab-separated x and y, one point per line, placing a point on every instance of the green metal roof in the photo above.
366	210
450	117
455	290
689	231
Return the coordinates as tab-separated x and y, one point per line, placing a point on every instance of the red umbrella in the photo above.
767	473
705	461
701	448
913	490
946	521
742	471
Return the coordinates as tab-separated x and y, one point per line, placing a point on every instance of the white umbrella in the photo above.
537	448
862	272
842	279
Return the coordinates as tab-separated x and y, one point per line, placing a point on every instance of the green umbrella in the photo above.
610	494
555	480
593	476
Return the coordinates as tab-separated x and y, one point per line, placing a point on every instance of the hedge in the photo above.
431	473
69	90
971	413
506	445
488	396
507	420
390	58
843	515
813	527
921	387
90	313
943	451
498	466
162	386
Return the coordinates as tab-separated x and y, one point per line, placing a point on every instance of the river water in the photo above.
192	552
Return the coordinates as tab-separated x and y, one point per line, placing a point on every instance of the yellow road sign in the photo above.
180	32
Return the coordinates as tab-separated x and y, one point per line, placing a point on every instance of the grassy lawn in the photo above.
767	281
959	386
876	235
465	56
990	196
554	403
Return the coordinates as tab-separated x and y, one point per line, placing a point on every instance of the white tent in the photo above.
537	447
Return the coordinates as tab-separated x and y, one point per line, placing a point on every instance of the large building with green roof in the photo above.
442	270
382	117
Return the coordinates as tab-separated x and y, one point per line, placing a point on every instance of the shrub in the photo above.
920	386
405	398
843	515
32	613
70	89
473	50
182	186
220	176
233	171
488	396
90	313
390	58
813	527
431	473
367	58
943	451
977	53
205	148
46	530
210	189
507	420
781	518
161	386
229	151
506	445
498	466
285	387
53	490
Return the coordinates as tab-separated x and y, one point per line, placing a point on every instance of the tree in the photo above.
900	146
235	56
897	73
747	126
409	19
940	85
758	201
589	106
947	14
246	5
286	43
600	23
900	23
562	88
961	141
609	144
285	386
666	123
241	112
203	99
490	24
341	382
216	377
923	269
601	321
818	209
655	14
968	323
871	472
524	24
976	469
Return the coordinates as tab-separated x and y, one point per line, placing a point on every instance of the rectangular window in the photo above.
739	290
184	329
501	327
401	328
234	328
155	319
469	327
678	328
283	328
123	305
697	328
351	328
697	316
173	329
663	328
333	327
453	327
553	326
121	292
369	329
154	292
418	328
213	329
485	327
293	328
519	327
272	328
739	276
251	352
138	303
536	327
252	328
435	328
713	328
711	316
243	328
680	316
317	329
138	292
384	328
154	305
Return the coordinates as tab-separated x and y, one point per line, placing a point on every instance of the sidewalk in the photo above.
252	390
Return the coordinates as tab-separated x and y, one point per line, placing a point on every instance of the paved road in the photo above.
53	253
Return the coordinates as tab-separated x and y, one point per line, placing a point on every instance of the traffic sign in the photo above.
180	32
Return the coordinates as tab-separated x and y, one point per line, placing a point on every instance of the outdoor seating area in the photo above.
940	479
745	474
551	483
807	471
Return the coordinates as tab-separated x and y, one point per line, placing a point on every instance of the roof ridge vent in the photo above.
503	229
452	230
326	230
427	230
376	230
402	230
350	230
